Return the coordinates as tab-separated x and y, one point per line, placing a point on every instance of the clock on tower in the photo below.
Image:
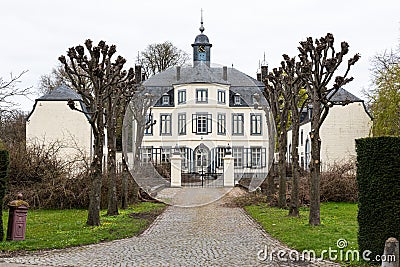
201	55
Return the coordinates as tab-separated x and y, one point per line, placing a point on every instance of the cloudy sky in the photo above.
35	33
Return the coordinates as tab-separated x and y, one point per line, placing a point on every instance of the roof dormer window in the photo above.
236	99
165	100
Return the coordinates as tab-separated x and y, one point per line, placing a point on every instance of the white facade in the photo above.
208	119
53	122
341	127
203	110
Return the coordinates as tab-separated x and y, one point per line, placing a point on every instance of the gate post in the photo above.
391	250
229	173
176	168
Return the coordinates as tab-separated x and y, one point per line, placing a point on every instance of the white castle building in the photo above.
52	123
347	120
203	110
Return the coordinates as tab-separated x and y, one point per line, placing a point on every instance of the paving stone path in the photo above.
201	235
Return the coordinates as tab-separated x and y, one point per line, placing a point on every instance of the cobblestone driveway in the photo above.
208	235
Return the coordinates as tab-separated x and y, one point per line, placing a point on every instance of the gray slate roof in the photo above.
341	97
201	39
201	73
61	92
239	82
344	96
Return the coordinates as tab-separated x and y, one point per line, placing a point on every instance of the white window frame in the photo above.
181	123
221	97
236	99
165	124
197	126
255	124
184	157
182	96
220	154
202	124
221	121
256	157
202	95
237	153
238	124
165	100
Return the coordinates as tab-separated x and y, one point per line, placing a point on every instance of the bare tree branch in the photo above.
9	90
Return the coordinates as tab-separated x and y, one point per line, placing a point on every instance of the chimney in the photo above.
178	73
264	72
138	73
225	73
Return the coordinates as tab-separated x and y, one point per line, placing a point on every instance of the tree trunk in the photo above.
271	182
124	193
138	142
315	169
271	149
96	174
112	208
294	197
111	171
282	169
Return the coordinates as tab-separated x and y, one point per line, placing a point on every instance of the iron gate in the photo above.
203	167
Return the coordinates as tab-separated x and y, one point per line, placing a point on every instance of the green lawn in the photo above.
339	221
48	229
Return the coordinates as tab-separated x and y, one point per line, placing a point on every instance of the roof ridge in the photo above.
61	92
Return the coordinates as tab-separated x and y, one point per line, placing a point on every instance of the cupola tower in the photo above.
201	46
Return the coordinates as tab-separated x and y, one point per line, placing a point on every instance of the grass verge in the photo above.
50	229
338	221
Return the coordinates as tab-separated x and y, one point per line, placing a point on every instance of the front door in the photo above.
201	160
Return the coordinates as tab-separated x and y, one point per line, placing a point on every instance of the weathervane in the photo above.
264	62
201	22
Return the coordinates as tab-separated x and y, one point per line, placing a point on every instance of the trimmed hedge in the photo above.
378	178
4	164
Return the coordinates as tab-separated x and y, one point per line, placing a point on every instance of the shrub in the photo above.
338	184
51	183
378	172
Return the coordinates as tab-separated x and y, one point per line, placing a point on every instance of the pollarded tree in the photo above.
96	65
139	107
319	61
158	57
297	100
117	101
278	99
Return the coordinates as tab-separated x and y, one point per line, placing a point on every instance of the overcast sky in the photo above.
35	33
